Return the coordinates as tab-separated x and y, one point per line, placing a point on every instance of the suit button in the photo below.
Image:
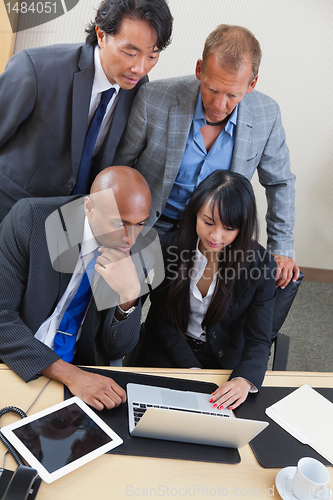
70	184
214	335
220	353
158	214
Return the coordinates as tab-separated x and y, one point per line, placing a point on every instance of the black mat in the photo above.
275	447
117	419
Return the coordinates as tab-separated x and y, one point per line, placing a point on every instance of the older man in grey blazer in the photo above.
51	96
181	129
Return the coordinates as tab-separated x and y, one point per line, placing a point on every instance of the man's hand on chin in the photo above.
118	270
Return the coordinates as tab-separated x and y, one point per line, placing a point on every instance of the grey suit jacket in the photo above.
31	287
44	102
155	138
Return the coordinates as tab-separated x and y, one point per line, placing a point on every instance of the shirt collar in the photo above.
89	243
199	265
199	115
101	83
199	256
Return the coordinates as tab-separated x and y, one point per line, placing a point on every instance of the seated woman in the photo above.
214	308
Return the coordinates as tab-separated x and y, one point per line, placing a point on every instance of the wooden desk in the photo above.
120	477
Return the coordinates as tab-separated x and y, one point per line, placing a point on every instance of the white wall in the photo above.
296	38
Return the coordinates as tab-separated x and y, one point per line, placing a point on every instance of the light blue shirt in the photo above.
197	164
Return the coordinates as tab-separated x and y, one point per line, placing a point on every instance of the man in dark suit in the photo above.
49	95
45	246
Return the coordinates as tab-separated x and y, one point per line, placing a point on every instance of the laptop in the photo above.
162	413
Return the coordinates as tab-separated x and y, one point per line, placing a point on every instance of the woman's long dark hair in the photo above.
233	196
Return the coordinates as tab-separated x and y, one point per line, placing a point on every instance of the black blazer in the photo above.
44	100
241	340
31	286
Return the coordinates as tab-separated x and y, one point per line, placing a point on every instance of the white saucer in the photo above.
283	483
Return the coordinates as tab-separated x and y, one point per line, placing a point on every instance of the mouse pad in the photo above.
117	419
276	448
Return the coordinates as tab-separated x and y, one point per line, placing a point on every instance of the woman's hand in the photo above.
230	394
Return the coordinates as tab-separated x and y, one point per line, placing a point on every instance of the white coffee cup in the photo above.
310	480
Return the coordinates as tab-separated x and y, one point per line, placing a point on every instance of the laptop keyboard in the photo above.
140	408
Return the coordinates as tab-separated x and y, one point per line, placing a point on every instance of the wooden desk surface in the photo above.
121	477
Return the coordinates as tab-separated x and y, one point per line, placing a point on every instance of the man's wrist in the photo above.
60	370
125	312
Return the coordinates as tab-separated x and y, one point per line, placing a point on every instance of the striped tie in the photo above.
65	338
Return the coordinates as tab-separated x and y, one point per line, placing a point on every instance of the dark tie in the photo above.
65	338
82	184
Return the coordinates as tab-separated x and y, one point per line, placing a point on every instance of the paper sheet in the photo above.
308	416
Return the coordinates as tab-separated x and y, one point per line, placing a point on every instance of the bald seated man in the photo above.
45	246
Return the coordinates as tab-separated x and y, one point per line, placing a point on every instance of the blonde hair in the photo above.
233	46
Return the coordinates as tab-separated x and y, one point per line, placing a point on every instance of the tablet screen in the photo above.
61	439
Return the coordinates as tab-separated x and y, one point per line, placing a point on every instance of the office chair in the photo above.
285	298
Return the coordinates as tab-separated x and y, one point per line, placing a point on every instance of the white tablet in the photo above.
61	438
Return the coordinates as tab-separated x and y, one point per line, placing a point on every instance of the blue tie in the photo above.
82	184
65	338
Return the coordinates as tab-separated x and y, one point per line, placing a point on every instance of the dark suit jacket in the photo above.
44	101
241	340
30	288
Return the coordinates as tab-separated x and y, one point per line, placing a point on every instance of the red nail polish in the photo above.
215	406
221	407
211	400
230	408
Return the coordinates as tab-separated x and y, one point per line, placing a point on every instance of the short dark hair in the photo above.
232	45
111	13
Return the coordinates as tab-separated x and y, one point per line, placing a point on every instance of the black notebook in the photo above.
117	419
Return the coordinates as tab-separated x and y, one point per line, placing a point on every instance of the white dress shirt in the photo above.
48	329
198	303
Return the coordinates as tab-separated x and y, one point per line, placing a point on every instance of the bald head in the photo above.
119	198
124	181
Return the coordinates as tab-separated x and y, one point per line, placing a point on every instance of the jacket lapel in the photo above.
179	124
57	256
105	156
244	143
82	85
72	220
122	110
